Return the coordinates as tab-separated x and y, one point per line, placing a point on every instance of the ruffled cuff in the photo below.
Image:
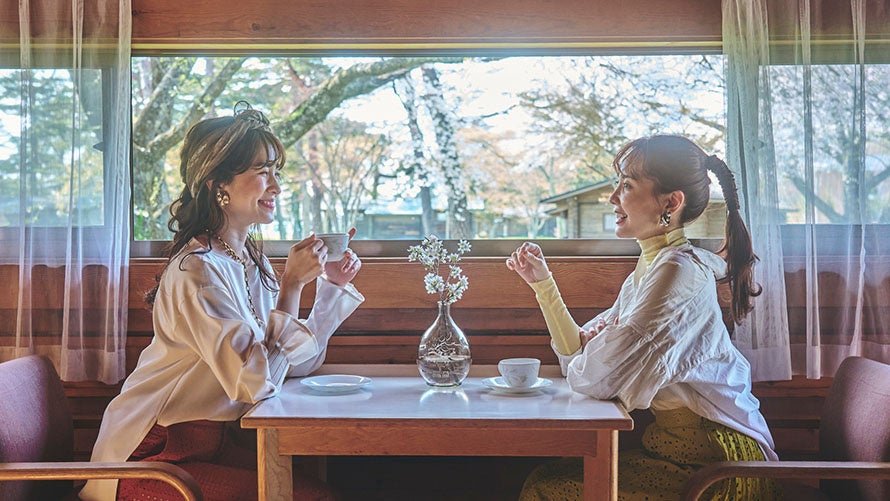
333	304
293	343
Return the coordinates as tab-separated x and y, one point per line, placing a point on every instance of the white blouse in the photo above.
665	345
208	359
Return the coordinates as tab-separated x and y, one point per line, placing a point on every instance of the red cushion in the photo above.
209	451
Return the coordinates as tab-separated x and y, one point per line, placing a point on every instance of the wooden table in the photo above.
399	415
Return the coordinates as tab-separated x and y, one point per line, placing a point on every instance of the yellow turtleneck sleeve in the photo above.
563	329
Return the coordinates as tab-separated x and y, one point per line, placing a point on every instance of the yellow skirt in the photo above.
675	446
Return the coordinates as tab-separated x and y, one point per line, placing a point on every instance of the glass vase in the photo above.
443	356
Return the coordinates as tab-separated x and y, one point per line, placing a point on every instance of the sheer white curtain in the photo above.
810	119
65	188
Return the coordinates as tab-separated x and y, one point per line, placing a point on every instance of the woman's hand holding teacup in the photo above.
342	272
305	262
528	261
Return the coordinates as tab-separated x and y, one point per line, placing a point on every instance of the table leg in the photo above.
601	468
274	471
314	466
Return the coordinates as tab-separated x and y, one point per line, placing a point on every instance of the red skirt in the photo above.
222	458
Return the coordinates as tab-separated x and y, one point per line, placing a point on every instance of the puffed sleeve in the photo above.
630	360
226	342
333	305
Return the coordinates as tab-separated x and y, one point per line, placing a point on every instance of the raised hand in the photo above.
528	261
343	271
305	262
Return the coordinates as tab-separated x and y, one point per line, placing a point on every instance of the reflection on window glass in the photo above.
52	165
495	147
844	188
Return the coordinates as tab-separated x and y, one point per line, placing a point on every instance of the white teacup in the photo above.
519	372
337	243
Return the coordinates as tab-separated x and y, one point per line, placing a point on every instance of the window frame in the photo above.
481	247
88	235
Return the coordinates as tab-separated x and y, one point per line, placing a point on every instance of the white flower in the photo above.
433	283
432	254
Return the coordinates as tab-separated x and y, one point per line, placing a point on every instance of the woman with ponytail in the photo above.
663	345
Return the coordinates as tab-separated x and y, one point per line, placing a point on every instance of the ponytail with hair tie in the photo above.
727	181
740	257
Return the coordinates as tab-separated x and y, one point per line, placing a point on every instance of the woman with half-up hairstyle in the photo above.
663	345
226	327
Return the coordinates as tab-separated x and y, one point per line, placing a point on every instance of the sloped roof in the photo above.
577	191
715	193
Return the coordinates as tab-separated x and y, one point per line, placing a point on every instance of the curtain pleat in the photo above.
763	336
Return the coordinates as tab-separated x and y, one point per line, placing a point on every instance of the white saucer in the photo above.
498	384
335	383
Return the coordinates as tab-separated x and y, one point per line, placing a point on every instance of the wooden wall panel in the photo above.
591	282
428	22
51	19
498	301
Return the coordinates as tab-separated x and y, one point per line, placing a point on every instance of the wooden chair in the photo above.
854	444
37	440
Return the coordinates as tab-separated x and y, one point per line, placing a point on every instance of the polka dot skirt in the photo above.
677	444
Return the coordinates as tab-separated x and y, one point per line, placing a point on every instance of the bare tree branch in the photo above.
821	205
346	84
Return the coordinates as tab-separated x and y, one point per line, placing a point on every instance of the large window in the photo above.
481	148
839	177
46	198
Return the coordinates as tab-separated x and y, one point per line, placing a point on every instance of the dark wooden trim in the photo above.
403	22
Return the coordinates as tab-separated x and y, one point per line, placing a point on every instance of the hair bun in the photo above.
254	119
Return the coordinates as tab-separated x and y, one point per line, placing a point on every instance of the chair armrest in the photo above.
702	479
180	479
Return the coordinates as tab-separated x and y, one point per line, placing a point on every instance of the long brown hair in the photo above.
677	163
214	151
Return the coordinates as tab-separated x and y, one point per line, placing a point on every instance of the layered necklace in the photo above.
243	262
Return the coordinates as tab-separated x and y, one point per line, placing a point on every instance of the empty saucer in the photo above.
335	383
